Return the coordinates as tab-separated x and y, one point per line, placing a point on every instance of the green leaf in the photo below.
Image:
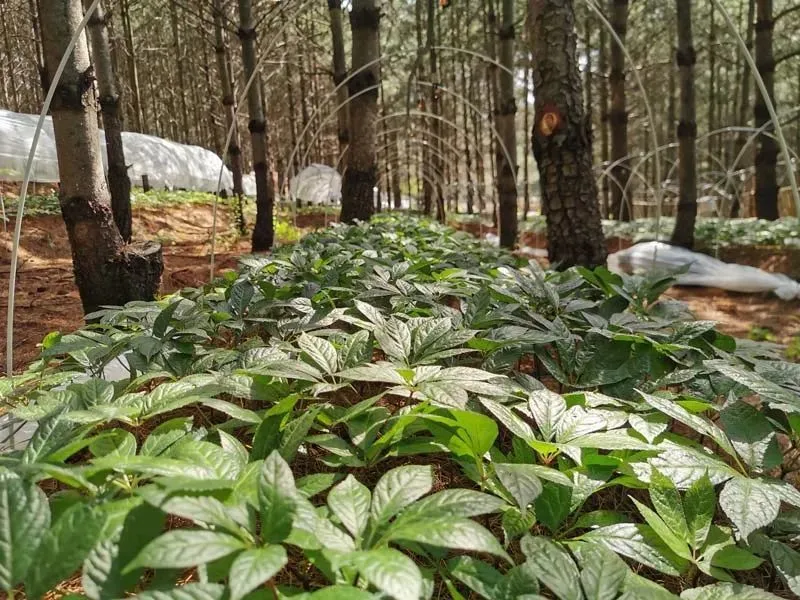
253	567
341	592
727	591
787	564
553	566
667	502
200	509
397	489
477	432
190	591
477	575
698	424
454	503
390	571
63	548
752	435
24	518
49	435
547	409
638	543
685	465
735	558
277	498
663	531
700	504
602	572
552	506
118	443
509	419
102	569
183	548
749	504
521	482
350	502
768	391
295	433
232	410
448	532
394	338
321	352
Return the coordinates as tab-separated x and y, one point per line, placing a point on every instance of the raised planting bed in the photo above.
394	410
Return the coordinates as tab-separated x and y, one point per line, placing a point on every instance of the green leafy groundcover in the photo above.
392	410
709	232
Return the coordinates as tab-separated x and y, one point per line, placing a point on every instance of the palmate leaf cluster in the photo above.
392	410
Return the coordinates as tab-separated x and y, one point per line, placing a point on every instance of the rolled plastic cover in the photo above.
167	164
703	270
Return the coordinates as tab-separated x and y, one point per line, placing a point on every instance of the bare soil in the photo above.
47	299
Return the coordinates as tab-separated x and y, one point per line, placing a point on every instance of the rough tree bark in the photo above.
604	141
107	271
506	127
560	139
683	234
767	150
339	74
463	21
618	115
264	230
139	123
229	108
395	162
436	110
362	171
118	179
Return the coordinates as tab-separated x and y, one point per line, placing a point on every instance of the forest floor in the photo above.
47	299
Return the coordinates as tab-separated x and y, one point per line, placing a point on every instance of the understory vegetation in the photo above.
708	231
393	410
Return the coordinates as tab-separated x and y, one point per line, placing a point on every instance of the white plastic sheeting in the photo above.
703	270
317	184
167	164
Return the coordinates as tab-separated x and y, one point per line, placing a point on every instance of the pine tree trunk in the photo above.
339	73
139	123
767	151
178	48
362	170
106	271
37	42
560	139
229	108
437	170
493	94
296	148
605	154
506	127
397	195
712	80
683	235
620	208
464	22
264	230
526	206
118	180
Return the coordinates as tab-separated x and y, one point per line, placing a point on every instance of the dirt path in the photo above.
48	301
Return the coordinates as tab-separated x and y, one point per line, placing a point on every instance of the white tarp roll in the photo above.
317	184
703	270
167	164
